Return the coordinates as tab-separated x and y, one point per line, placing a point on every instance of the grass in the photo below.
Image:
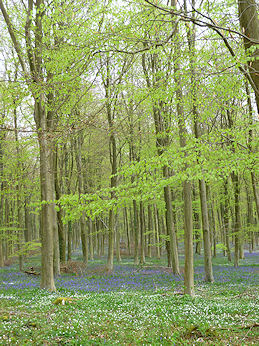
132	306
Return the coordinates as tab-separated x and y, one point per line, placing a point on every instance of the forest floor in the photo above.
135	305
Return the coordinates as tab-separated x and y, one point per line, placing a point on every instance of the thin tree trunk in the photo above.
150	231
117	233
27	229
256	197
226	219
1	197
69	240
113	161
8	244
156	232
90	233
206	232
250	220
127	230
187	190
237	227
18	195
83	227
197	226
142	231
61	231
136	232
110	241
212	224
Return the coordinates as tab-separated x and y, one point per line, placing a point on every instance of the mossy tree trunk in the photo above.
2	135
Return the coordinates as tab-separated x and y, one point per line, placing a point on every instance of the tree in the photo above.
249	23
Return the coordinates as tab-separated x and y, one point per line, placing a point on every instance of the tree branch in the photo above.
16	44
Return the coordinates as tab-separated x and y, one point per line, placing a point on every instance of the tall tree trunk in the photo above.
48	212
191	35
156	230
150	231
18	195
136	232
211	221
133	157
61	231
237	227
91	234
172	251
127	230
226	219
27	228
118	240
256	196
111	241
83	228
68	169
8	244
197	226
206	232
250	138
1	199
142	231
113	157
113	160
249	22
250	219
69	241
187	189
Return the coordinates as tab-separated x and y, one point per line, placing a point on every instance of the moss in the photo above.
5	318
62	301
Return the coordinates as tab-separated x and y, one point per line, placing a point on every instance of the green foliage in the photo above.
221	246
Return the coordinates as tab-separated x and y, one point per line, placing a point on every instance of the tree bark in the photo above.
127	230
117	234
142	231
197	226
206	232
91	234
69	241
237	227
61	231
83	228
48	217
249	22
136	232
226	219
150	231
156	230
1	198
18	195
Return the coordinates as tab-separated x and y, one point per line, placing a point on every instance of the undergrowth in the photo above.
132	306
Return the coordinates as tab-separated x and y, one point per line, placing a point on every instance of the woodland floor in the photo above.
135	305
